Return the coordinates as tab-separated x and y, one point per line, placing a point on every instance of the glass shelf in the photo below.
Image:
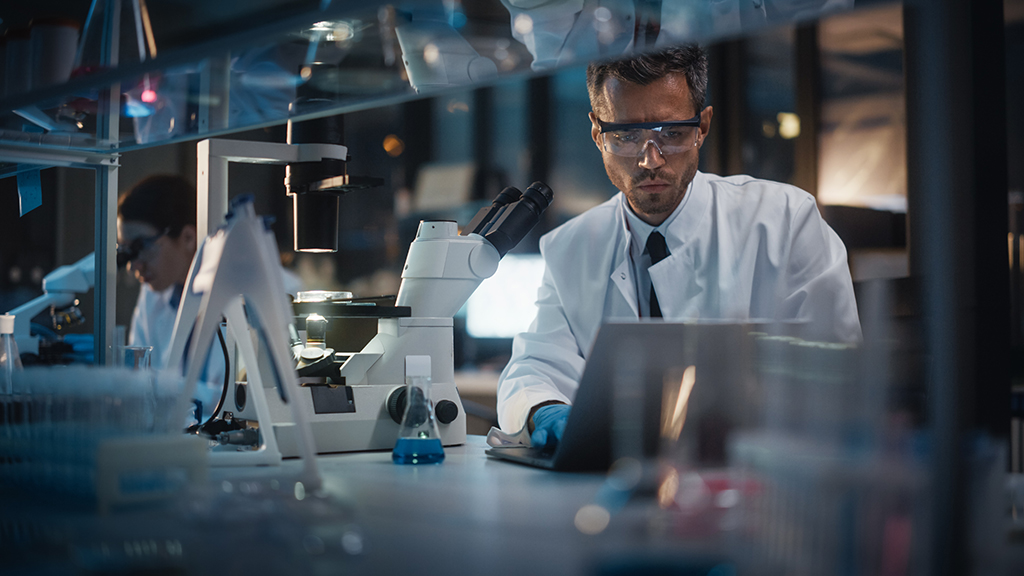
285	60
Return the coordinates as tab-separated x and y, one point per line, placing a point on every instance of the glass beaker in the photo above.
419	440
137	357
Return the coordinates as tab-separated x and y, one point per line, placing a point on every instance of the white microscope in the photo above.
441	271
343	400
60	290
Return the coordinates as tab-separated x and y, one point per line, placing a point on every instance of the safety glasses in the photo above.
631	140
137	248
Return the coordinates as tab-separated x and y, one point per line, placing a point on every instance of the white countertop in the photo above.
468	515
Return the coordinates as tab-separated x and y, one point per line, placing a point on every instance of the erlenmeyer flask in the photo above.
419	441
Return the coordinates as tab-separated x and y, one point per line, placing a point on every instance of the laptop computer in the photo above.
620	407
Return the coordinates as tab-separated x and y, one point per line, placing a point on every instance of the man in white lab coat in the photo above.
674	243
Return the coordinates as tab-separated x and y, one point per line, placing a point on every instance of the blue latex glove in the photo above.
549	424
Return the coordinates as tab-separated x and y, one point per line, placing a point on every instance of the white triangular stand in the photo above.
239	264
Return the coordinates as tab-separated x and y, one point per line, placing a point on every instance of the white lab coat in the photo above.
153	325
740	248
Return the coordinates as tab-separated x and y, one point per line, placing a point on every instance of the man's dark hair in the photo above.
689	60
166	202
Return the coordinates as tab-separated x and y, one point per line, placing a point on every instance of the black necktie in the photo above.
659	251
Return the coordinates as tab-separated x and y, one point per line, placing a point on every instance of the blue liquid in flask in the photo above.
418	451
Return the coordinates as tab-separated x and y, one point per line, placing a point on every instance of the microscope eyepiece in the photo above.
518	218
539	194
507	196
481	223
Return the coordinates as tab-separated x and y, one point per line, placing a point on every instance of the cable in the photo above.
195	428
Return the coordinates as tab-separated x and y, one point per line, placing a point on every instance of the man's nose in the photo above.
651	156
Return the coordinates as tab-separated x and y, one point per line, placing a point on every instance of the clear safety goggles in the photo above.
137	248
631	140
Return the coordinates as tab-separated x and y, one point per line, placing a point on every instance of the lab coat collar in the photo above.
638	230
678	229
682	225
164	296
622	269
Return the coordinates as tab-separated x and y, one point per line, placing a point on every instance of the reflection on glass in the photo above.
214	75
675	397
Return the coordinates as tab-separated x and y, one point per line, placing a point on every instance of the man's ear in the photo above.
705	122
595	130
189	237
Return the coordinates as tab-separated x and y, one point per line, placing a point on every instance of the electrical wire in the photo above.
195	428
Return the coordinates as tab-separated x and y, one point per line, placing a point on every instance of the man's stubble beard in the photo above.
661	203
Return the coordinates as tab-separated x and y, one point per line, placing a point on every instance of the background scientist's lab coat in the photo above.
740	249
153	325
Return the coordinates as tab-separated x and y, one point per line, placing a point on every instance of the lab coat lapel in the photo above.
681	293
622	270
675	281
622	277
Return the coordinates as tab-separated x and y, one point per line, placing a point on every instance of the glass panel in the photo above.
771	124
223	68
508	123
577	171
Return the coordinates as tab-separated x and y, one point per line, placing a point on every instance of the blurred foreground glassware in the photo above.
10	361
97	433
137	357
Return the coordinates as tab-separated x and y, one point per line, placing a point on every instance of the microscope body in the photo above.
360	406
60	290
442	270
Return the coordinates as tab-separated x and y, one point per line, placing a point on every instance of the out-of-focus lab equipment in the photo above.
103	435
239	265
434	54
60	290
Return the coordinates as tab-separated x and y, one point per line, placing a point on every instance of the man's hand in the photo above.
549	424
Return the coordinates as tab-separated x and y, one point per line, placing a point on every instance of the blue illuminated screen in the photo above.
505	304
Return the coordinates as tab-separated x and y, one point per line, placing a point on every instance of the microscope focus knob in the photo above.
396	404
446	411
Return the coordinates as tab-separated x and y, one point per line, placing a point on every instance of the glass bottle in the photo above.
9	362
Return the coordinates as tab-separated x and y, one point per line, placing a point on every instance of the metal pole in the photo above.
107	135
808	105
952	176
211	189
214	94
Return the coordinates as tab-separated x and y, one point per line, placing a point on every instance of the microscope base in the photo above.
368	426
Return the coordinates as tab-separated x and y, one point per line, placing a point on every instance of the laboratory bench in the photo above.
470	514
